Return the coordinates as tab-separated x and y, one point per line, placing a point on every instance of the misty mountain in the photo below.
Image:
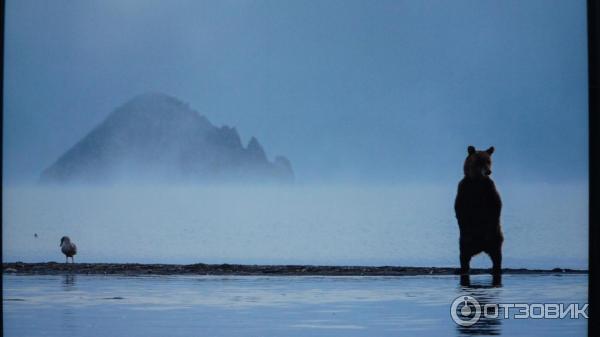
156	136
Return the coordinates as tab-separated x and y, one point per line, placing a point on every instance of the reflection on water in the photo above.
496	281
486	292
68	319
68	282
70	305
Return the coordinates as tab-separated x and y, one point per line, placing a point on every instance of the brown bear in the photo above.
477	208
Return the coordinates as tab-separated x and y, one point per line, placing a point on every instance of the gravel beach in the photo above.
52	268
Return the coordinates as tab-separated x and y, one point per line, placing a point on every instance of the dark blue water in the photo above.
76	305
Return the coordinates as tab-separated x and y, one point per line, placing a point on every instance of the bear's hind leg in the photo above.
468	249
496	256
465	260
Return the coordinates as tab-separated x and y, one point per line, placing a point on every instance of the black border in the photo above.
593	24
593	11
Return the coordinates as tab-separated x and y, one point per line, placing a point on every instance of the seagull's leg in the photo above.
67	260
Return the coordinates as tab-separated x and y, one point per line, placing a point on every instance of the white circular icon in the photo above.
465	310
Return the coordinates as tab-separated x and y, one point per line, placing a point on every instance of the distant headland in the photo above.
157	137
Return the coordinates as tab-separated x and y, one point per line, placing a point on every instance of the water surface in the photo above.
78	305
545	226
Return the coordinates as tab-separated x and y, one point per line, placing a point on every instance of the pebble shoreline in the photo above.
134	269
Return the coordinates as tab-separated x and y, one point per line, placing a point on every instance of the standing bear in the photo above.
477	208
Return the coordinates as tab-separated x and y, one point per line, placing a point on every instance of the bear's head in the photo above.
478	164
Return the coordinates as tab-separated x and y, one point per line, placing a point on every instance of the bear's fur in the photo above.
477	208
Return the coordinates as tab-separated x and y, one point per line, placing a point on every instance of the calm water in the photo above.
76	305
545	225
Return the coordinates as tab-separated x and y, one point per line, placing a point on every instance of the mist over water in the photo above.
365	110
545	225
388	94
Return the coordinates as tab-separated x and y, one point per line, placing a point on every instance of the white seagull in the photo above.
68	248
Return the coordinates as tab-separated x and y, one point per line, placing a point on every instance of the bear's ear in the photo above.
471	149
490	150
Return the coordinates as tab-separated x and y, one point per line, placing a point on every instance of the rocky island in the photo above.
157	137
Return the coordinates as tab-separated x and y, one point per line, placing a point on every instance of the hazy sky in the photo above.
359	90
